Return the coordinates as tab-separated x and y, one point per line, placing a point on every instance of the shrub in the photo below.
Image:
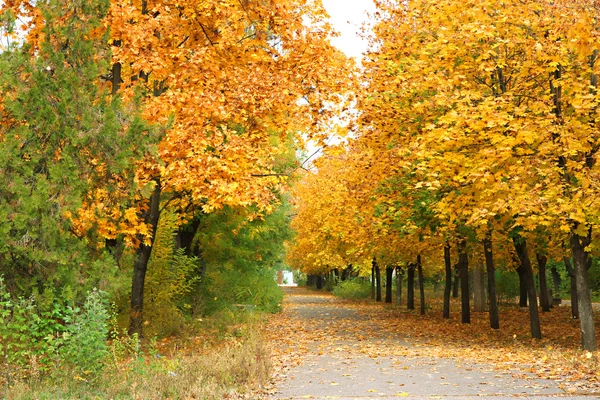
356	288
37	341
507	285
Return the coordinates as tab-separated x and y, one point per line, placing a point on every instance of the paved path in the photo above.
344	358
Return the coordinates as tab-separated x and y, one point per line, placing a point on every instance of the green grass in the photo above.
209	366
353	289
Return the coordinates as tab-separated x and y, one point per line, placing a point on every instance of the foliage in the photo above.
507	285
169	279
355	288
39	341
63	139
206	366
241	259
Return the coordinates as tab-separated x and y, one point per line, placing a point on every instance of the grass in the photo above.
215	361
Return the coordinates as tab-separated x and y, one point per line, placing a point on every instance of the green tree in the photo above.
62	136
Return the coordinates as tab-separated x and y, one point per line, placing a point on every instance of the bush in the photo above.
356	288
507	285
37	341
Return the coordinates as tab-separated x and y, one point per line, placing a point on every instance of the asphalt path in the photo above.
339	368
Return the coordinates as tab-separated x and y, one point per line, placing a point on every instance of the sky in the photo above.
347	17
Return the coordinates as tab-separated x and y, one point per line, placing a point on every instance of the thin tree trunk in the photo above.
389	276
463	265
584	299
491	278
399	278
522	286
574	300
448	285
140	266
534	317
372	282
421	284
556	300
410	295
478	288
378	279
544	298
456	283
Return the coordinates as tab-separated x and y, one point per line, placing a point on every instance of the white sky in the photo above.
347	17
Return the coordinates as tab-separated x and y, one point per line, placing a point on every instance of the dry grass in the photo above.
232	363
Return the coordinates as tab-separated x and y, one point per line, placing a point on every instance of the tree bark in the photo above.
478	288
534	317
556	281
584	298
448	285
544	298
456	283
421	284
372	282
410	295
389	276
463	265
399	278
522	286
319	281
574	300
491	279
378	279
140	265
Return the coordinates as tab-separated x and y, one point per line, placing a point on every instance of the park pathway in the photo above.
333	349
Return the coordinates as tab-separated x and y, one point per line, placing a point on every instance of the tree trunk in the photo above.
319	281
410	295
389	276
556	281
584	298
456	283
522	286
463	265
372	282
534	317
574	300
491	278
140	265
378	279
399	278
478	288
421	284
448	285
544	298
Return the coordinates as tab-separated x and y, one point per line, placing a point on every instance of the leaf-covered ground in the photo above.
342	334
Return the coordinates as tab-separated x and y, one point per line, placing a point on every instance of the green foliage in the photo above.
355	288
85	339
168	280
241	257
62	135
507	285
37	340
